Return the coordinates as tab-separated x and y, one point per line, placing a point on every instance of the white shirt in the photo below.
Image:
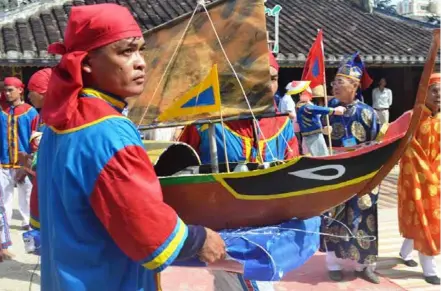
381	99
287	105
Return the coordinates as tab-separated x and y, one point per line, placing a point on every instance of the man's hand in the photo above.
340	110
213	249
327	130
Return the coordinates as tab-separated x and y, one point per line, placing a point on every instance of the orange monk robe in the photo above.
419	187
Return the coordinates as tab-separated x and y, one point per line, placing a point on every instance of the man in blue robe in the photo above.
359	124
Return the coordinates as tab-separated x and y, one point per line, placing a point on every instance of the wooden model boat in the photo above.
303	187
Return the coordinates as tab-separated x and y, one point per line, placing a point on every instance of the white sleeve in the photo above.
290	105
390	98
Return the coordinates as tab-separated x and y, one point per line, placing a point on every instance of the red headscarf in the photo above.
13	81
275	65
89	27
273	61
435	78
40	81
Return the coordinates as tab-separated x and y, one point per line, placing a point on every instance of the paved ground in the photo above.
16	275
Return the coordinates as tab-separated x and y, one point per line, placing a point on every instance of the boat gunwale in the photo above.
212	177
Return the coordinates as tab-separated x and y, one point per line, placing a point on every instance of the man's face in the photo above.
382	83
344	89
433	98
274	80
118	68
36	99
12	93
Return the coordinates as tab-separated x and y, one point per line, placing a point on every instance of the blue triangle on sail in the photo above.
205	98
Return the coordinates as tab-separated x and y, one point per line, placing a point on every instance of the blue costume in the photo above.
104	224
359	124
308	117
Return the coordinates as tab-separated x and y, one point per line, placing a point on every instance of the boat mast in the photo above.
212	134
213	148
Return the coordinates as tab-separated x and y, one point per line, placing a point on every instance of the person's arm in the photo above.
127	199
316	110
291	108
390	98
35	120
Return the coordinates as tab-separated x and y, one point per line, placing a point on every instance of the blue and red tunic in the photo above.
276	141
16	126
104	225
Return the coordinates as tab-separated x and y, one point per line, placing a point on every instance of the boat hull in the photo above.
301	188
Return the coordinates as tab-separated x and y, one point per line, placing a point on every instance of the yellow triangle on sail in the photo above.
202	98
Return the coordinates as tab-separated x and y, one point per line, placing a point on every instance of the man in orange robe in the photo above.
419	189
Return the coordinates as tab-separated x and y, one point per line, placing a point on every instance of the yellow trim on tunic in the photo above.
15	153
112	100
171	248
70	130
34	223
8	128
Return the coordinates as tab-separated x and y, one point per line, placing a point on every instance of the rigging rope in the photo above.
181	40
237	78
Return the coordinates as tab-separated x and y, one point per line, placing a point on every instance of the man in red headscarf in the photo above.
37	86
104	225
18	121
419	188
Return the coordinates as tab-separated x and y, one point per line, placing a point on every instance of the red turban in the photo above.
40	81
435	78
273	61
89	27
13	81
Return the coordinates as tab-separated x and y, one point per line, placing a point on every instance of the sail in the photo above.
179	69
203	98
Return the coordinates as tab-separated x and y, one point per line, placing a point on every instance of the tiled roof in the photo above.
382	39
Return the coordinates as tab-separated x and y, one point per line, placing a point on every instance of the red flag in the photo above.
314	69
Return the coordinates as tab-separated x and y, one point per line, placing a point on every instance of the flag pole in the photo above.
325	90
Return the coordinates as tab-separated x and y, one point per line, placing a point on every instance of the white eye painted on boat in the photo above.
310	173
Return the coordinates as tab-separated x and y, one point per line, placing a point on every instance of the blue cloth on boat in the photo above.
268	253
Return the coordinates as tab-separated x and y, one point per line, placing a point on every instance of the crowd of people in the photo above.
96	199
